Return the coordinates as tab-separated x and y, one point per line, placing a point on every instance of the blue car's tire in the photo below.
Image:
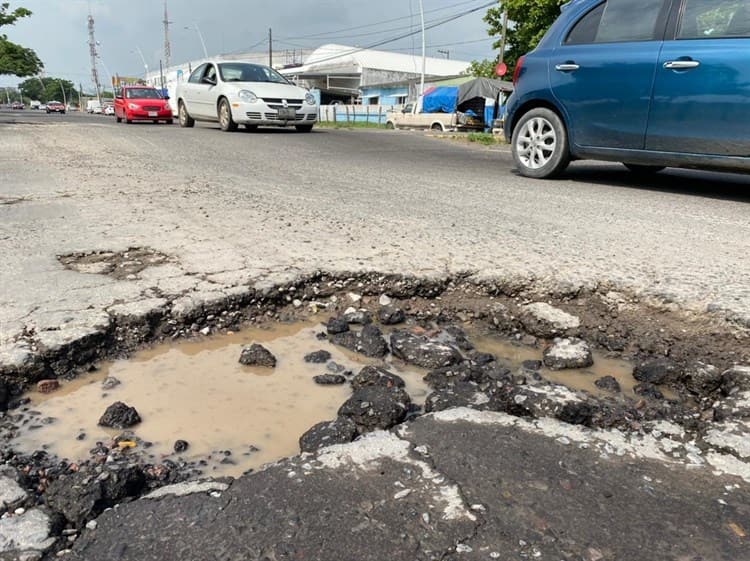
540	144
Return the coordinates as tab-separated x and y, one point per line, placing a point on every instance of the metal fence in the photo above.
355	113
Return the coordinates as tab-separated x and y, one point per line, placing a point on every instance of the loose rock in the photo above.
110	382
657	371
546	321
47	386
336	326
701	378
357	317
318	357
389	315
369	341
608	383
376	407
4	395
329	379
11	492
423	352
339	431
119	416
257	355
180	446
568	353
646	389
376	376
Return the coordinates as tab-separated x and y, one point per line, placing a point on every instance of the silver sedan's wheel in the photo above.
183	116
225	117
540	144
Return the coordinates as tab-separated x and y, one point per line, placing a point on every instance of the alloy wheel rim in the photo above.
224	115
537	143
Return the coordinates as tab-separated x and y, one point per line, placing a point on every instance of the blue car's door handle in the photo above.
681	64
567	67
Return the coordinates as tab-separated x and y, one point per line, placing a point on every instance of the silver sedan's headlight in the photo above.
310	98
247	96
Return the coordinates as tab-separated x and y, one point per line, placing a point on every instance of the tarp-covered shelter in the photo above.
441	99
481	97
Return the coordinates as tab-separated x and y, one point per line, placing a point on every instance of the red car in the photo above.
141	103
55	107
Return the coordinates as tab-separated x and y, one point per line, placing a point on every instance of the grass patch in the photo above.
345	125
485	138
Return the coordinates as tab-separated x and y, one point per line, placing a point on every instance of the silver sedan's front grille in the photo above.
277	102
275	116
254	115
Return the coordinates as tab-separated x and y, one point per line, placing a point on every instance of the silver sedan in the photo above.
242	93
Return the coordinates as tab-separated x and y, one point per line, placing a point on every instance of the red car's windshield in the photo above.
142	93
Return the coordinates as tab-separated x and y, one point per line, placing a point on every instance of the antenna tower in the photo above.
92	51
167	46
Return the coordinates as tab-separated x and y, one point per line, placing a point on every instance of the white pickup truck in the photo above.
410	118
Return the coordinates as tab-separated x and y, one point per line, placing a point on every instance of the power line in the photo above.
405	35
327	33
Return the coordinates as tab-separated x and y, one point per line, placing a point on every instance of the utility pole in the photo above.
447	53
167	44
270	47
93	53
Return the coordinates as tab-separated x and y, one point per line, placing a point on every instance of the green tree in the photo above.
47	89
482	68
15	59
528	21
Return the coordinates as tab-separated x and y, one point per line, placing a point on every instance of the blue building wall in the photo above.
384	95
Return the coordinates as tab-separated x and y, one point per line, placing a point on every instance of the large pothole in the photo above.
232	418
454	343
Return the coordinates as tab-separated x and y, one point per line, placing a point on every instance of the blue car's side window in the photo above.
629	20
585	30
709	19
619	21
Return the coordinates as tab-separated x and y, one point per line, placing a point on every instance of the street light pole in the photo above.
200	36
65	99
145	64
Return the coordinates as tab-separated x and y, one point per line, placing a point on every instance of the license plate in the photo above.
153	114
287	113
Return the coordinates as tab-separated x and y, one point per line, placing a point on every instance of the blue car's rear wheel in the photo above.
540	144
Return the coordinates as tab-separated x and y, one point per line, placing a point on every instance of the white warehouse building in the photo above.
338	71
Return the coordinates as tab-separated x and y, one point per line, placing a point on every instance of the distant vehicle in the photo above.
142	103
35	104
665	88
17	105
93	106
55	107
410	118
109	109
42	107
241	93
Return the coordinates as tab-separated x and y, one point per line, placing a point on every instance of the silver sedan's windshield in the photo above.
246	72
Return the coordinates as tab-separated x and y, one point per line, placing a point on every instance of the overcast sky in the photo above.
57	30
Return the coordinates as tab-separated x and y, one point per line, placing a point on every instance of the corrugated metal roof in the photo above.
340	57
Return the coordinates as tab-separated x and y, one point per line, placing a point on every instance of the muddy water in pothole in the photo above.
512	356
198	392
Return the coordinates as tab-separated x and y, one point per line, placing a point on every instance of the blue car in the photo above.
649	83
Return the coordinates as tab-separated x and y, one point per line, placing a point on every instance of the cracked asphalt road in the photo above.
234	209
523	491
